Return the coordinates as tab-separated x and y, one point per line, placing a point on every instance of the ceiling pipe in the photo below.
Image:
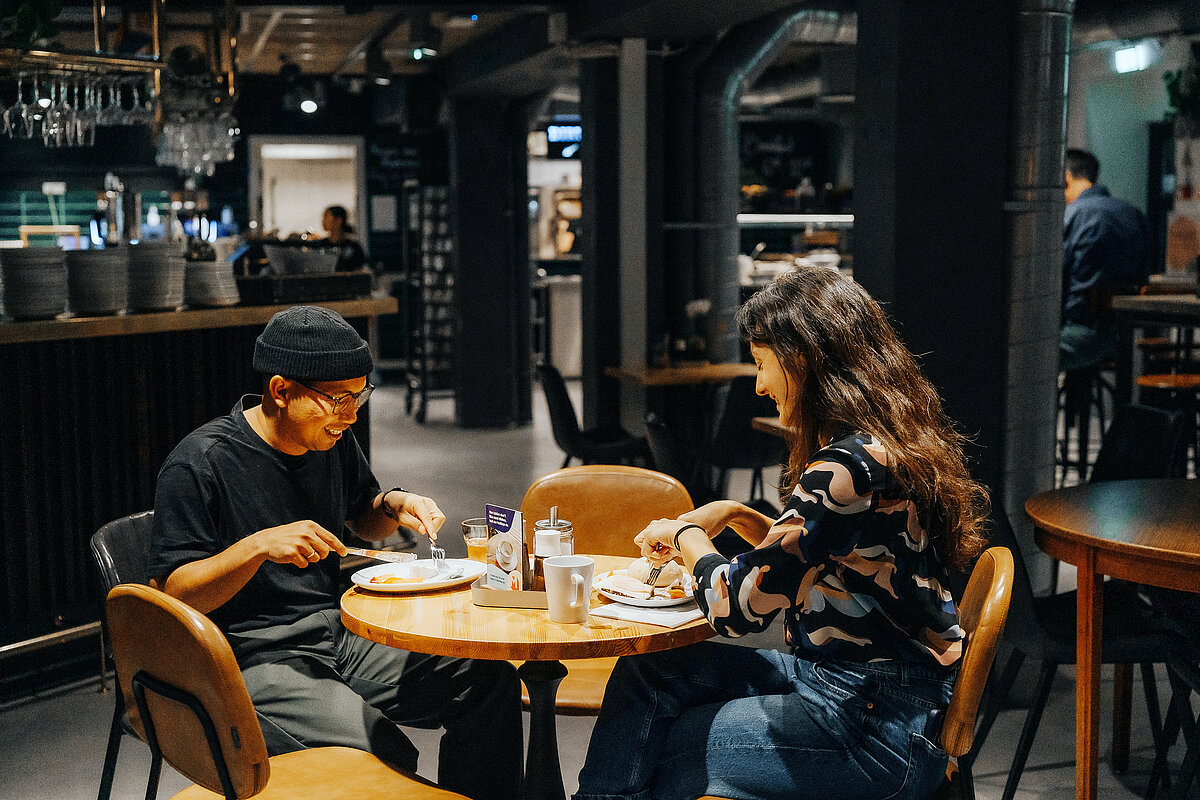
783	86
1096	21
738	60
264	36
376	36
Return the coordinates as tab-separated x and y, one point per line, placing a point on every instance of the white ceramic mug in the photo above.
569	587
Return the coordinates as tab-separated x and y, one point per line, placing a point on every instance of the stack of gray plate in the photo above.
98	280
35	282
156	275
210	283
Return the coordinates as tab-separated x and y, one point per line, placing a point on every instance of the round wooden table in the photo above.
447	623
1142	531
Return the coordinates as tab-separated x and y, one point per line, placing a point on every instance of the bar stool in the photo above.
1159	353
1080	392
1176	390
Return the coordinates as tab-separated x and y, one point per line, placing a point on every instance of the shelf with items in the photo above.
431	298
772	242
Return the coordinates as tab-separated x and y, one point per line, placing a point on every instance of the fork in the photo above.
654	572
438	553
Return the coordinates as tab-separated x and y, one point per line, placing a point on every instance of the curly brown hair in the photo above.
836	343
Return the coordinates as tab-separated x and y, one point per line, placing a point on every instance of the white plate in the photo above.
601	586
362	578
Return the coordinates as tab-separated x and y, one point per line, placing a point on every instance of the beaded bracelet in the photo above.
675	541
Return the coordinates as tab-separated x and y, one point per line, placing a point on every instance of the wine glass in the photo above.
88	115
142	112
52	123
14	121
34	114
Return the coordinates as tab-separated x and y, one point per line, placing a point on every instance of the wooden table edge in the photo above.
667	639
1067	543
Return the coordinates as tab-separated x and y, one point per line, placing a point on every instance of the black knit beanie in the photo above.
311	343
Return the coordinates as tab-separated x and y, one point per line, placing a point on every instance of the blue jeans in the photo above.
741	723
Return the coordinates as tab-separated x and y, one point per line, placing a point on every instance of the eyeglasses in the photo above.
342	401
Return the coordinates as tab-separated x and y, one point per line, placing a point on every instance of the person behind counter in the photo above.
250	517
336	222
878	505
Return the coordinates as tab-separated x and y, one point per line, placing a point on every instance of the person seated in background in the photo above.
1106	247
336	222
250	515
878	506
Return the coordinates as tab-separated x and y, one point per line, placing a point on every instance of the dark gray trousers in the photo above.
315	684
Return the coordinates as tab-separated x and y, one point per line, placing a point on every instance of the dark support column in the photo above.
656	304
491	288
679	179
601	239
930	170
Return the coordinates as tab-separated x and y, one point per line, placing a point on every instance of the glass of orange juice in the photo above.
475	533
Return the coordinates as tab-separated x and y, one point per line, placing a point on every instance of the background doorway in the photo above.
295	178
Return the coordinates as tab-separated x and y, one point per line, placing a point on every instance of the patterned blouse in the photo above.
849	564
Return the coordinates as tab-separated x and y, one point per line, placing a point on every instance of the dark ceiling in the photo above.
501	37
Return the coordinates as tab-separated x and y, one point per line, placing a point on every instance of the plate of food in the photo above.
673	586
421	575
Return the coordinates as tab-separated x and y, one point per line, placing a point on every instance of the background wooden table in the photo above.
1133	311
683	375
1141	531
448	623
771	425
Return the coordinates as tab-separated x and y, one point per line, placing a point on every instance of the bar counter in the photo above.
91	408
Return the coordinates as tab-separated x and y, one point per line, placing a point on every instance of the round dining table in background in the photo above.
448	623
771	425
1145	531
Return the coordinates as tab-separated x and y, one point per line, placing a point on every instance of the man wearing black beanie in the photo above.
251	511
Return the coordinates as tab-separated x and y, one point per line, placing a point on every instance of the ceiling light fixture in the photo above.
1135	56
308	106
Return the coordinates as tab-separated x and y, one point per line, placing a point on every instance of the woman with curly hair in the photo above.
878	507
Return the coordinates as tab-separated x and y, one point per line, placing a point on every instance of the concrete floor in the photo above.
52	747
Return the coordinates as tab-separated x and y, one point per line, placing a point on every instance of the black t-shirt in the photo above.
223	483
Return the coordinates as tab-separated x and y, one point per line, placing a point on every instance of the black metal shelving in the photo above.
430	300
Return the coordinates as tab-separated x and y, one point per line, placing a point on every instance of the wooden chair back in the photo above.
606	504
982	614
177	668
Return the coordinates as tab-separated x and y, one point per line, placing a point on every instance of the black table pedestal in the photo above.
543	775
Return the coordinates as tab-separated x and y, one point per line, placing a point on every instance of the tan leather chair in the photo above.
982	614
607	505
187	699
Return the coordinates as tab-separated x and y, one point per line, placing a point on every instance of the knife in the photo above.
382	555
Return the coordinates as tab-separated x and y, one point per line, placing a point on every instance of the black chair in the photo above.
672	457
1142	442
736	444
121	551
1184	672
1043	628
1081	391
612	445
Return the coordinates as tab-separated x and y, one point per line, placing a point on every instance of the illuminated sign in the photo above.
564	133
